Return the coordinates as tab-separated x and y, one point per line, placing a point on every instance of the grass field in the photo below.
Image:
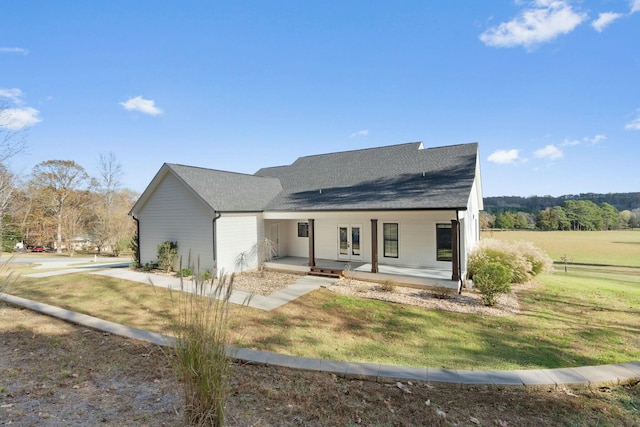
617	247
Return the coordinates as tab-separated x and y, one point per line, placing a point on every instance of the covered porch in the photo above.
413	276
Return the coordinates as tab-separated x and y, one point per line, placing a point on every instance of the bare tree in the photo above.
13	136
12	142
105	226
57	180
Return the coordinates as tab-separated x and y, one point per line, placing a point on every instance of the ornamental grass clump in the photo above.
492	280
522	259
201	327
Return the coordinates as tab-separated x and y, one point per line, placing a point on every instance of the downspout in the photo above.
460	279
213	235
137	239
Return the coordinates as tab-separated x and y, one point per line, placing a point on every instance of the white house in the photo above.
401	210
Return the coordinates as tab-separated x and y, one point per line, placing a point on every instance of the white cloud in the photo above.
550	152
146	106
569	142
604	20
18	118
596	139
14	95
635	6
542	22
504	157
591	141
363	132
635	123
14	50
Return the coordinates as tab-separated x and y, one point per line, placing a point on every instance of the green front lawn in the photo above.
587	316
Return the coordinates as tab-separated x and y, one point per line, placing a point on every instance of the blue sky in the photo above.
549	88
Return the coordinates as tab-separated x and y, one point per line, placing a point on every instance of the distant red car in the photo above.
38	249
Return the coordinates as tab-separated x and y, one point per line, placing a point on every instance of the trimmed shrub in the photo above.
492	280
186	272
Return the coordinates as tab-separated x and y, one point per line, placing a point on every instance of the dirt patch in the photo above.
56	374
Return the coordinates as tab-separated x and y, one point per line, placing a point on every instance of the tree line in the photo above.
61	207
571	215
534	204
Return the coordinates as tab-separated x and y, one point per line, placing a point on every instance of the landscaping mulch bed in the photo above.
469	301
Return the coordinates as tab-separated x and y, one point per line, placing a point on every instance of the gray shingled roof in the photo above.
228	191
402	176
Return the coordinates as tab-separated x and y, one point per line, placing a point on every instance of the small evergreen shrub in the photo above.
492	280
167	254
186	272
205	275
133	245
150	266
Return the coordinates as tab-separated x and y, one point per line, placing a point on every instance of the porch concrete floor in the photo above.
426	273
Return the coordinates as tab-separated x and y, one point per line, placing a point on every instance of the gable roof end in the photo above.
219	190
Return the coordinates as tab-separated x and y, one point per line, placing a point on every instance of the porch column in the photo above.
374	245
312	244
455	250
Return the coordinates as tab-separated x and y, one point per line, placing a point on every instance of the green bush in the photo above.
186	272
167	254
522	259
492	280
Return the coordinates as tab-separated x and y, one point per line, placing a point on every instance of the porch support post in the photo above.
455	250
312	244
374	245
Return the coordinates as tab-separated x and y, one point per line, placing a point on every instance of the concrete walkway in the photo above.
302	286
585	376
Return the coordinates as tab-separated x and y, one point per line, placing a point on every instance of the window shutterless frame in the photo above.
390	238
303	229
444	249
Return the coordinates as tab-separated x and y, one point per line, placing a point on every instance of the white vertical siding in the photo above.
237	236
173	213
470	226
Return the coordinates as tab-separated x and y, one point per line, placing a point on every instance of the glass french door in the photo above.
349	241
